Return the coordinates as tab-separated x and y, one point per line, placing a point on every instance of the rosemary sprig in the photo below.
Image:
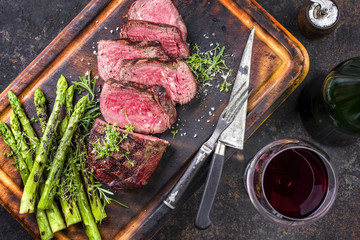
103	194
92	110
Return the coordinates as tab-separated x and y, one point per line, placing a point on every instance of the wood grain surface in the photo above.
279	64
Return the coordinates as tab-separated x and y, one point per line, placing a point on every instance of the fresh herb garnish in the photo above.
71	190
104	147
207	65
103	196
132	163
174	132
33	120
92	110
9	154
225	85
130	128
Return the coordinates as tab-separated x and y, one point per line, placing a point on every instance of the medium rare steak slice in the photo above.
132	164
148	108
112	52
158	11
174	75
168	36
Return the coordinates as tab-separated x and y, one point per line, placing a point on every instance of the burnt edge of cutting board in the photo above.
147	223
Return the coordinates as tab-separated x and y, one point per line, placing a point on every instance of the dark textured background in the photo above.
27	27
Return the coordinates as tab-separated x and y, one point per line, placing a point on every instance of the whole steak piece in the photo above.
111	53
169	36
158	11
131	166
148	108
174	75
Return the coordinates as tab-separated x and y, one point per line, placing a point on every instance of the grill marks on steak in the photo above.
158	11
169	36
143	154
148	108
174	75
111	53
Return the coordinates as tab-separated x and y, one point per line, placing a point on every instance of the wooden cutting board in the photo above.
279	64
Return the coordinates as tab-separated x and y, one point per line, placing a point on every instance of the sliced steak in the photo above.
174	75
169	36
148	108
131	166
158	11
112	52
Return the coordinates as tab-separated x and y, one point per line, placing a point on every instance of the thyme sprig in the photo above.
174	132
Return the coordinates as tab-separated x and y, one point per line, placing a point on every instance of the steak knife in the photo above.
233	136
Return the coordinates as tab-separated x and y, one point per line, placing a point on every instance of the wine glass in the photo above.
291	182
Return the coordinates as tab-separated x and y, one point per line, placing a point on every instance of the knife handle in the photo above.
180	187
202	220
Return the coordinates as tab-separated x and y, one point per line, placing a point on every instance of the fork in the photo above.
225	119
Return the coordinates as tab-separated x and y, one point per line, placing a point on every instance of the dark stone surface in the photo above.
26	27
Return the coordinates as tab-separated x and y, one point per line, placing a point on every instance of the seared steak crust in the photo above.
158	11
169	36
174	75
132	166
148	108
111	53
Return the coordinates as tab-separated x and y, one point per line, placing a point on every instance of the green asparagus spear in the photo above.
58	162
9	139
53	213
26	155
41	218
90	226
29	131
97	207
69	97
70	209
54	216
69	106
28	199
45	230
41	108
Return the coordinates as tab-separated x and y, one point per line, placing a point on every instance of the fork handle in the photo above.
180	187
202	220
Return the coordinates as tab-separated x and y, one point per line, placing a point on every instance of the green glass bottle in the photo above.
331	111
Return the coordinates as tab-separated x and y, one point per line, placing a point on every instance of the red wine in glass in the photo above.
295	182
291	182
